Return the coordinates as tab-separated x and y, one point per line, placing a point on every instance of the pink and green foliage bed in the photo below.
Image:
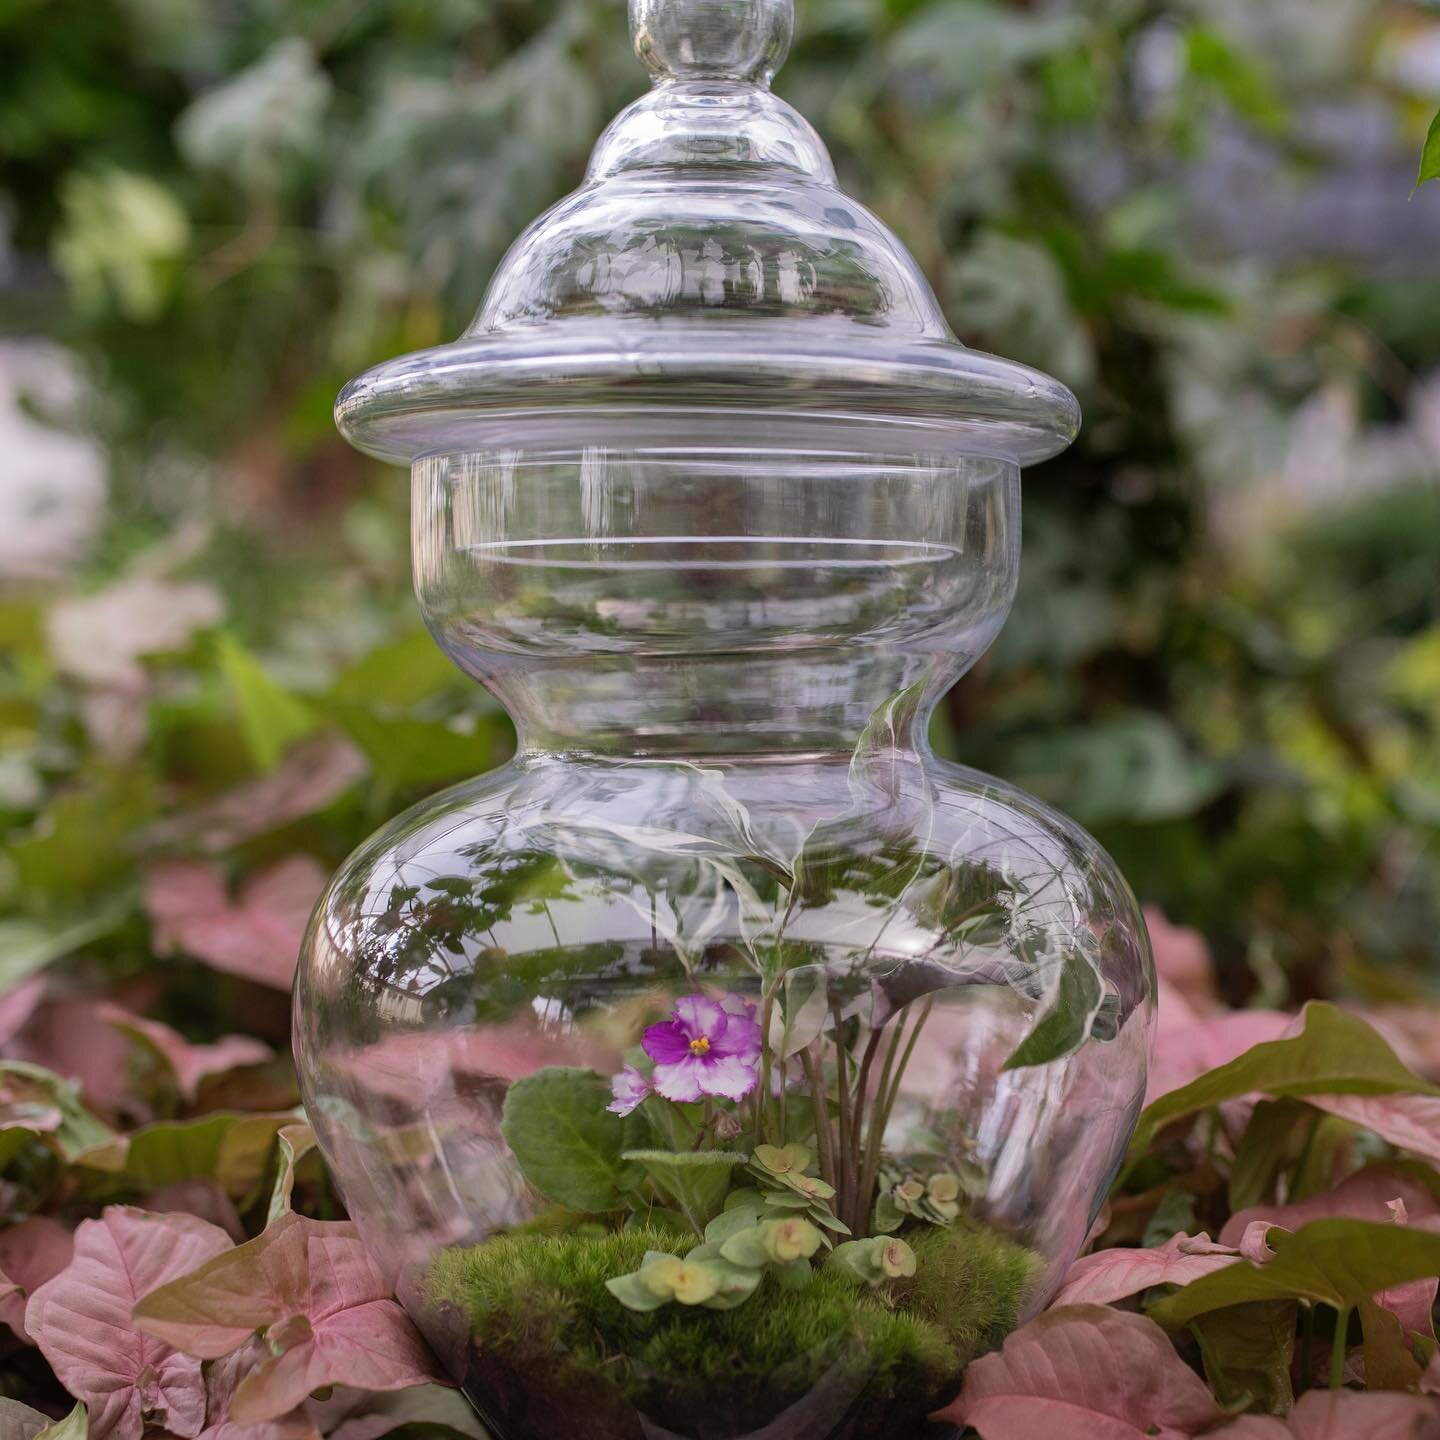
173	1261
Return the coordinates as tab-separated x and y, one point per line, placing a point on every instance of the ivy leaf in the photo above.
1063	1028
1430	155
1331	1262
564	1139
1334	1053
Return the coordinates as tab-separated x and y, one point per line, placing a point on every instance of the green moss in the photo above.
553	1347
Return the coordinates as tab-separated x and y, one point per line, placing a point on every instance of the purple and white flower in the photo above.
707	1047
629	1088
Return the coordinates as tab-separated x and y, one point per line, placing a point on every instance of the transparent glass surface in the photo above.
726	1065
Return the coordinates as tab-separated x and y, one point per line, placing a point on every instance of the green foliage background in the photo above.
1224	665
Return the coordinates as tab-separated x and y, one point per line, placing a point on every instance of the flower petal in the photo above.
683	1081
666	1043
699	1015
728	1076
741	1040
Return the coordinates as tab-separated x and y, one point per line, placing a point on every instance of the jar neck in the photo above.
803	703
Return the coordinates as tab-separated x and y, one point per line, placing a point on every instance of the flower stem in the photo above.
815	1078
842	1088
1337	1348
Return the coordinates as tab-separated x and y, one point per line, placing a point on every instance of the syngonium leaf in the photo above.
271	718
1332	1262
1247	1352
1430	155
566	1142
81	1320
35	1104
1334	1053
1065	1024
327	1314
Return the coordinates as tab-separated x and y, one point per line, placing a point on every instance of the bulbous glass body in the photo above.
725	1060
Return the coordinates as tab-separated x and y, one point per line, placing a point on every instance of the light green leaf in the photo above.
28	946
1065	1025
800	1016
565	1140
20	1422
1430	155
1340	1263
399	674
271	718
78	1133
1335	1053
230	1148
75	1426
633	1293
293	1143
405	751
697	1180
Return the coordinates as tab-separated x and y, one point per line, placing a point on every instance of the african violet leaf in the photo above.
1111	1275
558	1127
327	1315
1333	1262
1334	1053
82	1322
1085	1370
1065	1025
31	1252
695	1179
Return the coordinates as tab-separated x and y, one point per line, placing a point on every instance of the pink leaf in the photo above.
1182	960
1110	1275
323	1306
188	1063
1255	1243
1185	1051
1409	1122
1342	1415
312	775
17	1005
1362	1196
68	1035
30	1253
81	1320
203	1197
257	938
1089	1371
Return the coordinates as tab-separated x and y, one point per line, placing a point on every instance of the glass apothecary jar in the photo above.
725	1064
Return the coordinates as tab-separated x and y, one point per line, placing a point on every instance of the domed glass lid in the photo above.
707	281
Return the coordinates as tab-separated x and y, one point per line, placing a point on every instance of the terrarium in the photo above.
726	1064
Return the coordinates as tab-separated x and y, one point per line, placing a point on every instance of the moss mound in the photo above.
556	1355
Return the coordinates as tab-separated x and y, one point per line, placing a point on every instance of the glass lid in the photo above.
708	280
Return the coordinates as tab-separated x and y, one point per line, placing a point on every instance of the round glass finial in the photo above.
744	40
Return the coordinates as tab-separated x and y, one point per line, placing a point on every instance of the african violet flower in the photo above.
629	1088
707	1047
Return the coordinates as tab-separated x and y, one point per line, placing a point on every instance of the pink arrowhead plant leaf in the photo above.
188	1063
1409	1122
81	1320
30	1254
1085	1370
322	1305
257	937
1342	1415
1111	1275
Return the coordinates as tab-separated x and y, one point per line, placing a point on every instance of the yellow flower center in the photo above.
700	1046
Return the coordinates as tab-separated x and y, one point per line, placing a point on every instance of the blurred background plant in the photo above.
1225	655
1224	658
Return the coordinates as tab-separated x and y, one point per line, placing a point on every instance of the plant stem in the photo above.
1337	1349
842	1087
815	1078
1307	1343
855	1219
762	1093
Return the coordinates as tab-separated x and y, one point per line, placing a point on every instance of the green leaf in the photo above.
801	1013
28	946
1340	1263
565	1140
1430	155
79	1131
1064	1027
697	1180
1335	1053
231	1148
633	1293
399	674
1247	1351
404	751
75	1426
271	718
